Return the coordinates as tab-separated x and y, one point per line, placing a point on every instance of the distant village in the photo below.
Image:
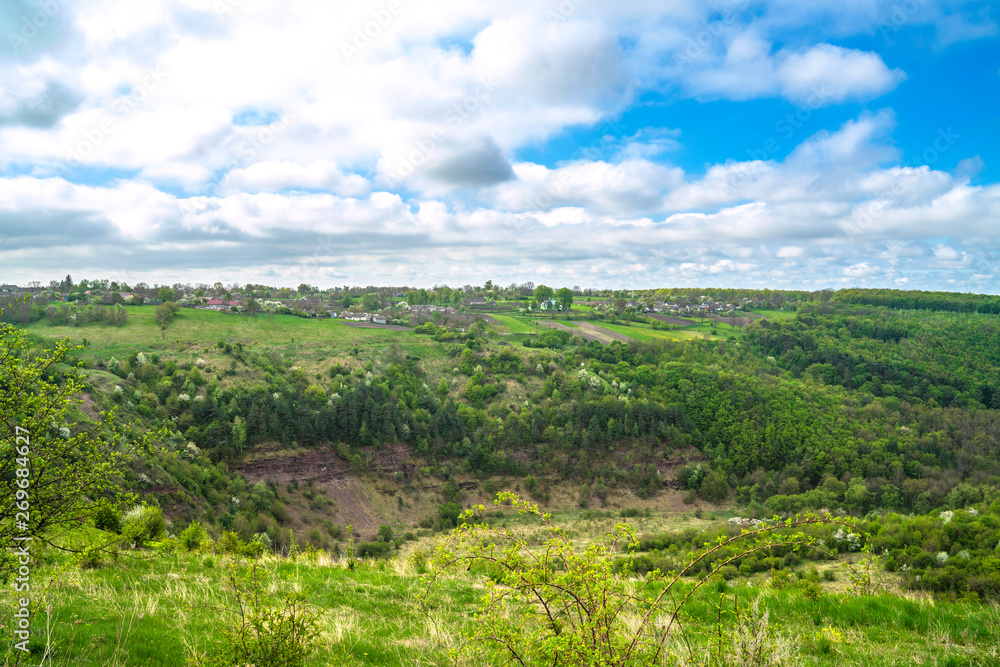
401	305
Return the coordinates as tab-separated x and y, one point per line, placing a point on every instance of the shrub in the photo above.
563	606
91	558
193	537
530	484
254	549
167	545
228	543
142	524
261	632
448	515
374	549
714	487
108	519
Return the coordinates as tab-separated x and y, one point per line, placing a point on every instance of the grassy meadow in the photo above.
160	609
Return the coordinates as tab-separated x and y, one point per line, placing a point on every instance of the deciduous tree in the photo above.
54	473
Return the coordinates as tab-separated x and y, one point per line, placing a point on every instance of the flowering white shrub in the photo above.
141	359
134	515
137	395
592	380
200	362
183	398
117	389
964	553
947	515
743	521
972	510
853	540
942	557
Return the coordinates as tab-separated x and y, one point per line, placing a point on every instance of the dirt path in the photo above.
606	335
575	332
590	332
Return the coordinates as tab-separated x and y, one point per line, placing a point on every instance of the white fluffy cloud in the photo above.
825	74
277	175
814	77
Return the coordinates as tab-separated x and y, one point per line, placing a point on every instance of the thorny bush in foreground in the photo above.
553	605
261	631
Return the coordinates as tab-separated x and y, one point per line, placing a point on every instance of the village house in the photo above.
219	304
431	309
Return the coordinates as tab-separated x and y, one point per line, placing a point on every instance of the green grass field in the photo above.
168	611
776	314
312	344
201	328
515	324
646	334
162	610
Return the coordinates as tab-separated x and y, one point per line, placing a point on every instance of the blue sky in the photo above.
574	142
